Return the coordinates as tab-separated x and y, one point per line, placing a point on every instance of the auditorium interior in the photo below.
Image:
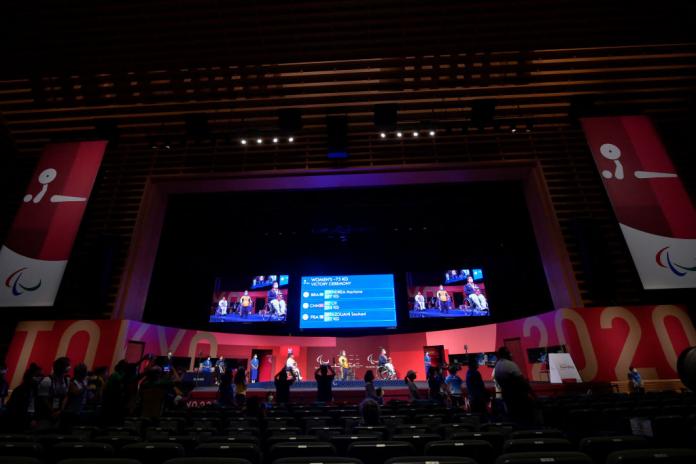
348	232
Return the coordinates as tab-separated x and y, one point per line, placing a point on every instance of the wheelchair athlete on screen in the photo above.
277	302
474	294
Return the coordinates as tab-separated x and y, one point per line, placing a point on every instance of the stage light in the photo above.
383	135
513	130
415	133
275	139
431	133
291	139
399	134
259	141
243	141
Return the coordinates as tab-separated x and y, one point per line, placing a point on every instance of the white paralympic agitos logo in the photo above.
613	153
46	177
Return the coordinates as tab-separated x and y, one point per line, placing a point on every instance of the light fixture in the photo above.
244	142
399	134
275	139
415	133
291	139
431	133
513	130
259	141
383	135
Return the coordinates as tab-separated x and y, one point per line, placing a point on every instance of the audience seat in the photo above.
152	453
496	439
376	452
299	449
380	429
16	437
417	440
81	450
116	441
98	461
231	439
598	448
540	433
524	445
199	460
273	439
430	460
189	442
28	449
20	460
558	457
248	451
662	456
341	442
448	430
317	460
50	439
480	451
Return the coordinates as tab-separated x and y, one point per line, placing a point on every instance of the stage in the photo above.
353	391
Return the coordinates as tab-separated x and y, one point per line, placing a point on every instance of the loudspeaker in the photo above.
386	116
290	120
337	136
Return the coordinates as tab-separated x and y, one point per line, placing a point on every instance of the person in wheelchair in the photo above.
277	302
385	367
474	295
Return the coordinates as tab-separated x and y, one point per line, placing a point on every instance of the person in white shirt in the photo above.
291	366
420	302
516	391
222	306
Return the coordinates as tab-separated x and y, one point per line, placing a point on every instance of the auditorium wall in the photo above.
603	341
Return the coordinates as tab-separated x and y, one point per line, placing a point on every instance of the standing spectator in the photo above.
478	395
324	376
114	403
76	398
240	387
96	385
369	385
515	389
282	385
226	390
412	388
435	384
427	360
21	406
635	381
4	386
454	382
51	394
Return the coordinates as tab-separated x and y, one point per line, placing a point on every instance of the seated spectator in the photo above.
324	376
370	412
282	385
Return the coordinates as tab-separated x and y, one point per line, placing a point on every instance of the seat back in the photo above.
299	449
478	450
22	448
651	455
376	452
557	457
523	445
598	448
63	451
152	453
248	451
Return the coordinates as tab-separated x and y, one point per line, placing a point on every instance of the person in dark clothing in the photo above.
435	384
410	380
114	397
22	402
282	385
478	395
516	391
226	390
324	376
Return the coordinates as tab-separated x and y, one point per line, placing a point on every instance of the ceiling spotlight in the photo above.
399	134
415	133
431	133
513	130
259	141
275	139
383	135
244	142
291	139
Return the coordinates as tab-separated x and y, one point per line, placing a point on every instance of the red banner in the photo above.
37	248
657	217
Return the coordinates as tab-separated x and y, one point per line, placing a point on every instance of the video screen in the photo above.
449	293
262	298
347	301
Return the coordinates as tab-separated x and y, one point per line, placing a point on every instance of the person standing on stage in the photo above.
443	299
343	362
635	381
426	360
254	363
275	297
420	302
206	365
245	304
222	306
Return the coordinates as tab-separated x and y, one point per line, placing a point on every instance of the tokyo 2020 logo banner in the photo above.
656	215
37	248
